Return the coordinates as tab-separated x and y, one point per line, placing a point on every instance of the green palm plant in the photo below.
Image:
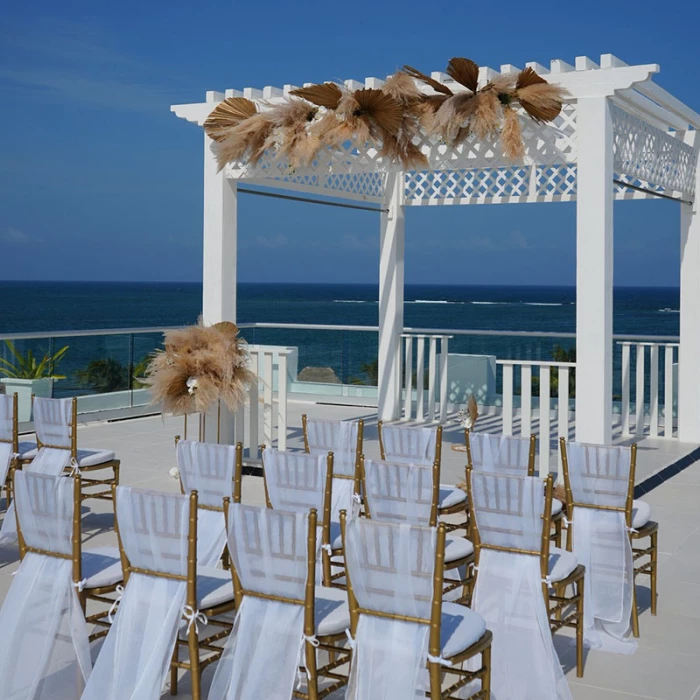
30	367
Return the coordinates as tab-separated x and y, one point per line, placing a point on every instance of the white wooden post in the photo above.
668	391
626	388
594	270
220	259
545	423
408	376
526	400
444	355
654	390
391	290
432	366
507	399
420	377
689	350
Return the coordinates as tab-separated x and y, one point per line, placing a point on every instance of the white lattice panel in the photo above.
651	158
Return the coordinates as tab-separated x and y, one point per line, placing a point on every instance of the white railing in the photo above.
661	421
542	414
434	412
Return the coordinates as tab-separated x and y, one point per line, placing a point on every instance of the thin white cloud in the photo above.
16	236
271	242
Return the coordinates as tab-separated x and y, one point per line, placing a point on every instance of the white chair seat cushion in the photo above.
86	458
457	548
25	448
331	611
214	587
561	563
460	628
450	496
556	506
102	567
641	514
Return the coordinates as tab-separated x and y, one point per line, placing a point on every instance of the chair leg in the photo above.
486	677
435	681
311	671
558	532
635	612
174	669
579	628
654	562
195	673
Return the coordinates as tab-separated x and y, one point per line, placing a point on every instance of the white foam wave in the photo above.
541	303
489	303
670	311
353	301
433	301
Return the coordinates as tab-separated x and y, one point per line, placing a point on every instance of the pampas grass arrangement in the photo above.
200	366
393	118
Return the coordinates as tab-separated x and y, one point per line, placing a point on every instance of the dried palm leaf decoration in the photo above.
200	366
393	118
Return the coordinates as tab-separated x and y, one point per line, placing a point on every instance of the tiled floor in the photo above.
666	665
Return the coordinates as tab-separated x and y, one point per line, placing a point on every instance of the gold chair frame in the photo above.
97	595
560	614
651	530
328	578
338	656
436	671
451	584
105	493
558	519
457	509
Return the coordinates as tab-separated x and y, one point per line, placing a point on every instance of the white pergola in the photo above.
619	136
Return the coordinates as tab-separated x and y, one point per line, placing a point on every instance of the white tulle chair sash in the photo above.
6	417
269	552
53	420
208	468
135	658
6	455
600	476
409	444
503	454
508	595
338	437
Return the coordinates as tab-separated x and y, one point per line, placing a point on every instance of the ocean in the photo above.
62	306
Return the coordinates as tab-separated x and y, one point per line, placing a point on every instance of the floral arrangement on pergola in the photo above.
391	118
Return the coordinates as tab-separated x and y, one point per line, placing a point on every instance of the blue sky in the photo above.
98	180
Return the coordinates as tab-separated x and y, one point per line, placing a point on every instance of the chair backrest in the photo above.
401	492
510	513
8	420
273	552
599	476
393	569
410	444
342	438
48	514
55	423
157	532
208	469
503	454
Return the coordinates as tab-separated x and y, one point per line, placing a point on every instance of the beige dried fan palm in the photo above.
227	114
200	366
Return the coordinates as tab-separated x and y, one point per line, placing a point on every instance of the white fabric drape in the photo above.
600	476
391	569
208	469
399	492
135	658
6	410
409	444
508	592
48	461
5	461
338	437
44	648
269	552
504	454
53	420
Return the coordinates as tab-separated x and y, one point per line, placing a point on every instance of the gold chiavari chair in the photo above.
407	444
296	481
639	525
97	571
344	440
559	570
326	614
9	442
513	455
56	426
409	493
457	635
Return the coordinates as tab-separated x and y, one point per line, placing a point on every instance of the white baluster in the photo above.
625	389
432	361
443	377
639	392
253	438
668	391
507	399
408	375
526	400
654	390
544	420
282	402
563	420
420	362
267	399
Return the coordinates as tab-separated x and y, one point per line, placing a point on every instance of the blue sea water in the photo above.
51	307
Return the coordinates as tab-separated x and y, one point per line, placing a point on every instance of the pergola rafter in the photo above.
618	136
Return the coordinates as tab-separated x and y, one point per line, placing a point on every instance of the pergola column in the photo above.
220	257
594	271
689	351
391	294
